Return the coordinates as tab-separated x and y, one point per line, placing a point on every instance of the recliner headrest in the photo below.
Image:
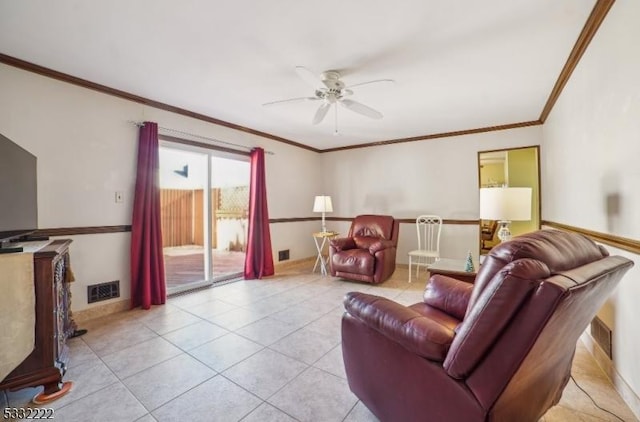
558	250
372	226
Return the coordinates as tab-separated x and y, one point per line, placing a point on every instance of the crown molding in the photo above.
597	16
64	77
437	135
590	28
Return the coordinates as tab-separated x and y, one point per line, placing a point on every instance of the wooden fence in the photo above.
182	218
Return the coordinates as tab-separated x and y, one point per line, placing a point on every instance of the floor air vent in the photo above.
103	291
602	335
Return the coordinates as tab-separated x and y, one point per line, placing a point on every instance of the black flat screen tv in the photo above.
18	191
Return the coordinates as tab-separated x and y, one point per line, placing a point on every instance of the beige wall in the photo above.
438	176
87	151
589	162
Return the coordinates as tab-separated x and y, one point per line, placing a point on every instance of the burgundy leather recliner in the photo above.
368	253
497	350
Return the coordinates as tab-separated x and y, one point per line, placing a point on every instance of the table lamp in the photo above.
505	205
323	204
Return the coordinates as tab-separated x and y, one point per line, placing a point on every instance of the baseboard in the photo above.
309	261
621	386
114	307
99	311
123	305
284	265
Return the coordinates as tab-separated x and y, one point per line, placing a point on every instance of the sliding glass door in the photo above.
204	203
230	210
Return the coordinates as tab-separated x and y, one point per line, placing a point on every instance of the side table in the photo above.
321	239
453	268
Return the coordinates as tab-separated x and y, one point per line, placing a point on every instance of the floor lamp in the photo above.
505	205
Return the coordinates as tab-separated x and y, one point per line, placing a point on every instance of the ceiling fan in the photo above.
330	89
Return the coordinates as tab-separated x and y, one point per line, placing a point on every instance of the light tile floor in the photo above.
252	351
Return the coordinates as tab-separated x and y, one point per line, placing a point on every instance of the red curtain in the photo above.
147	263
258	261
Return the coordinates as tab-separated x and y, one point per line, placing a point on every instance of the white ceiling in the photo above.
458	64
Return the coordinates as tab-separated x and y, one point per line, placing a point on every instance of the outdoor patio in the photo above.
185	264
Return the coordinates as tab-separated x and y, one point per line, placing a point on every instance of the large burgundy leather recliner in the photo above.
497	350
368	253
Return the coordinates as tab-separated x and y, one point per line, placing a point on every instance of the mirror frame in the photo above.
537	148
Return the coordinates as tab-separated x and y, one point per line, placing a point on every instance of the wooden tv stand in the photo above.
47	363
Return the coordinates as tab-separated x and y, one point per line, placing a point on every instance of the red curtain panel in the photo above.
147	263
259	259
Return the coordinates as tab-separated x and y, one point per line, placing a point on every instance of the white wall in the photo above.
591	146
87	151
438	176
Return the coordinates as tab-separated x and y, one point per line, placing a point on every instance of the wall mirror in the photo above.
515	167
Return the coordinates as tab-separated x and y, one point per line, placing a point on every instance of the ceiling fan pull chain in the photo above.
335	106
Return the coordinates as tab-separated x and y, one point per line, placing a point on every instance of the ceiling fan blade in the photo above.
309	77
346	92
291	100
372	82
321	112
360	108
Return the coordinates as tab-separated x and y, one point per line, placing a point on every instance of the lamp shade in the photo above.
507	204
322	204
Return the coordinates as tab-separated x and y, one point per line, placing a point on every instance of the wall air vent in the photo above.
103	291
283	255
602	336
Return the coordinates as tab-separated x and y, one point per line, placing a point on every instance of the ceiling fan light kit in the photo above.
331	90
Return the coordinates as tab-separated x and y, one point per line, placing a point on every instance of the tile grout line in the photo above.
400	290
350	410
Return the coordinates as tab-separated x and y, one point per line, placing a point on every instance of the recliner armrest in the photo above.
380	245
416	333
448	294
342	243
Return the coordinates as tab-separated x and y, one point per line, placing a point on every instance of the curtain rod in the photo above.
206	138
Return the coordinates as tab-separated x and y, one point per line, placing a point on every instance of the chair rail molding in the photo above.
620	242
